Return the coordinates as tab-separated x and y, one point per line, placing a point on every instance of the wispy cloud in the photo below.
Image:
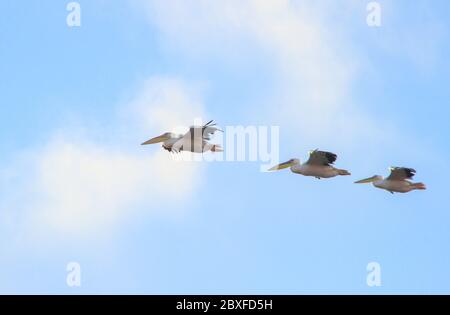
315	65
82	187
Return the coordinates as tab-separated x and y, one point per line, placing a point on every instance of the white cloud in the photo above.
81	187
75	184
316	65
166	104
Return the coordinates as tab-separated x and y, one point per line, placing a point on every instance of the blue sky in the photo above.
76	186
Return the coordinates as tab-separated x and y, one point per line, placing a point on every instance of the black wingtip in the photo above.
410	172
331	157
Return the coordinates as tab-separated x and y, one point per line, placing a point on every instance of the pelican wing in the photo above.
317	157
189	144
401	173
208	131
204	132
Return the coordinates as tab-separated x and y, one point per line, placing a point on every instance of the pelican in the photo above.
318	165
397	181
195	140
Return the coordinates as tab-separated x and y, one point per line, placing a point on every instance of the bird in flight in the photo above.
397	181
195	140
319	165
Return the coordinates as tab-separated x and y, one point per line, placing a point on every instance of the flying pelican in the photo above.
195	140
318	165
397	181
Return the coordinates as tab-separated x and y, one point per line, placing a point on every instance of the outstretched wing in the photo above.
317	157
401	173
204	132
196	137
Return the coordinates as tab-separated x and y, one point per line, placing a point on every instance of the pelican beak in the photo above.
282	166
367	180
158	139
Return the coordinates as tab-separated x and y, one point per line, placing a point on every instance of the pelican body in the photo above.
319	165
396	182
195	140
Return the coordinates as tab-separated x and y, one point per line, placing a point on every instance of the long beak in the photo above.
367	180
282	166
158	139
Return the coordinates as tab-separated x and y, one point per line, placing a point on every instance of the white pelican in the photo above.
318	165
396	182
195	140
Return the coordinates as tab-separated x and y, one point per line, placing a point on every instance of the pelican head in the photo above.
284	165
372	179
164	137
